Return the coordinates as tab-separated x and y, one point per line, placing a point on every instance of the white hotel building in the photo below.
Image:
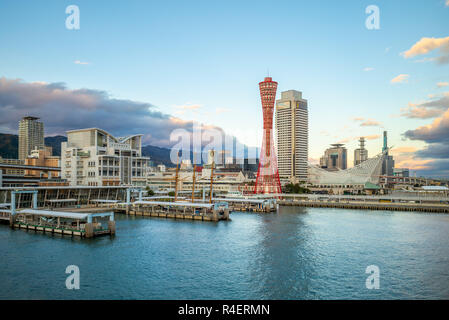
93	157
292	135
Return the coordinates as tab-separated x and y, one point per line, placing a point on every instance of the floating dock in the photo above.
178	210
252	205
68	223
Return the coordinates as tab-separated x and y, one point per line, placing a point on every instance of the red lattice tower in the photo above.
267	174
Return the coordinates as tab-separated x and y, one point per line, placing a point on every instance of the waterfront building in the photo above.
43	158
292	135
360	154
363	178
401	172
17	172
335	158
223	181
31	136
93	157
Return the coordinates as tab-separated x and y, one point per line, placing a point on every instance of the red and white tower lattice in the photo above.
268	175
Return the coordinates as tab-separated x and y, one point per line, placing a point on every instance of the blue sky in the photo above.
202	60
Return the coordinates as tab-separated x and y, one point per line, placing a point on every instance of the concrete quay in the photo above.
364	205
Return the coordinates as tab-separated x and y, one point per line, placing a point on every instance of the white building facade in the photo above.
292	135
93	157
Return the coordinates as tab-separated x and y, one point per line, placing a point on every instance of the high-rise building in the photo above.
335	158
388	164
267	180
31	136
292	134
360	154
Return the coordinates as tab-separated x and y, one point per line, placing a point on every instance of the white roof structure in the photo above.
47	213
435	188
367	171
177	204
242	200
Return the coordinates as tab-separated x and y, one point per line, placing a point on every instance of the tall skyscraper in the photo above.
267	180
31	136
292	133
360	154
335	158
388	164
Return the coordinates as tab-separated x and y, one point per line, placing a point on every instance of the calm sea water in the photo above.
299	253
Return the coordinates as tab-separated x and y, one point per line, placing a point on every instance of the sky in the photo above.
153	67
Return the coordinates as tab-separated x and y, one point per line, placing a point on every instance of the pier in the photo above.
251	204
87	225
178	210
55	222
431	204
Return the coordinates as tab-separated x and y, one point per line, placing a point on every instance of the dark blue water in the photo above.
299	253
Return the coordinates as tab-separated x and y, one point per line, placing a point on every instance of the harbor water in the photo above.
297	253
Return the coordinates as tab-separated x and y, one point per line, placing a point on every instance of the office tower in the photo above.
335	158
360	154
31	136
292	122
388	164
267	180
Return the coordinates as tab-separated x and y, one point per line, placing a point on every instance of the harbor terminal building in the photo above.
364	177
94	157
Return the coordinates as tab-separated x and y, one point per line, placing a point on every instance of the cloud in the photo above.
358	119
80	62
373	137
447	3
416	112
436	132
402	78
62	109
399	150
436	153
367	69
346	140
371	123
442	84
426	45
428	109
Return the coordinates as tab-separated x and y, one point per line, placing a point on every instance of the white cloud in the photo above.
402	78
367	69
80	62
426	45
371	123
